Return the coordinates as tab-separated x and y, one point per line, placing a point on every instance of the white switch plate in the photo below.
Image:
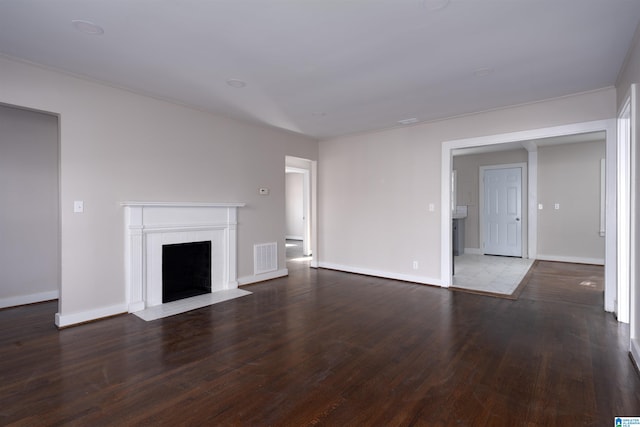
415	265
78	206
432	207
556	206
540	207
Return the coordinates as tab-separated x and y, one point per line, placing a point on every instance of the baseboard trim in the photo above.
247	280
28	299
473	251
62	321
384	274
571	259
634	353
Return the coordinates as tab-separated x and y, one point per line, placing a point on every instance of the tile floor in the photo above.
486	273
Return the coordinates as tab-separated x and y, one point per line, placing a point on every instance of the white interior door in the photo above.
502	211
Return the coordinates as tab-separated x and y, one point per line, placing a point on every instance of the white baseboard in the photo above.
571	259
473	251
292	237
87	316
28	299
385	274
247	280
635	352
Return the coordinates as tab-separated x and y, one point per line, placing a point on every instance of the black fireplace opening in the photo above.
186	270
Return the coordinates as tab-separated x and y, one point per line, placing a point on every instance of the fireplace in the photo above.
186	270
190	233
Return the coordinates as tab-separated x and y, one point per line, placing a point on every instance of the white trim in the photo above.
384	274
634	350
609	126
524	193
87	316
624	204
603	192
247	280
184	204
571	259
29	299
532	201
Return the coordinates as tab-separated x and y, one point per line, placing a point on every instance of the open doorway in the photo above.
528	140
299	196
495	193
30	218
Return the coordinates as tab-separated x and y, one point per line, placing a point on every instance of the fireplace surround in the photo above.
151	225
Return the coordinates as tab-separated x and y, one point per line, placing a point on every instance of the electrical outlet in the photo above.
263	191
556	206
415	265
78	206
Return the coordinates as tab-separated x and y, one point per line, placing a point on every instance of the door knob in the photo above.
517	219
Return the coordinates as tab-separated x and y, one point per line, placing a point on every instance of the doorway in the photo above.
524	139
30	218
300	209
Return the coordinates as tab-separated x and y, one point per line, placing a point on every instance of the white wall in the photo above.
117	146
569	175
468	176
375	188
29	241
294	210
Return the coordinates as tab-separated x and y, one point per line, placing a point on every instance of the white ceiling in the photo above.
331	67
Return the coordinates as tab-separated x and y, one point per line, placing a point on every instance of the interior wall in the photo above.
119	146
569	175
29	241
294	194
468	180
380	192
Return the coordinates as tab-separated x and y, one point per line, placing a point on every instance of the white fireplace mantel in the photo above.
150	225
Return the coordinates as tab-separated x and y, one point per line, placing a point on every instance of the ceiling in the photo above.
326	68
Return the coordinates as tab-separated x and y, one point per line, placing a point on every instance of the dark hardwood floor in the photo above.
330	348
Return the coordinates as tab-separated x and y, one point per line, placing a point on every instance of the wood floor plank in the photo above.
322	347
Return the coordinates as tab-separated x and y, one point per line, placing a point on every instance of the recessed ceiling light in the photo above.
482	72
87	27
408	121
435	5
236	83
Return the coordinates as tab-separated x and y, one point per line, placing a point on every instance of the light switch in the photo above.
432	207
540	206
556	206
78	206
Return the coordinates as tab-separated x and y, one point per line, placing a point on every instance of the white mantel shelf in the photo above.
185	204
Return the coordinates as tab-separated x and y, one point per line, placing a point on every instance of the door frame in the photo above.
524	194
309	169
608	126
